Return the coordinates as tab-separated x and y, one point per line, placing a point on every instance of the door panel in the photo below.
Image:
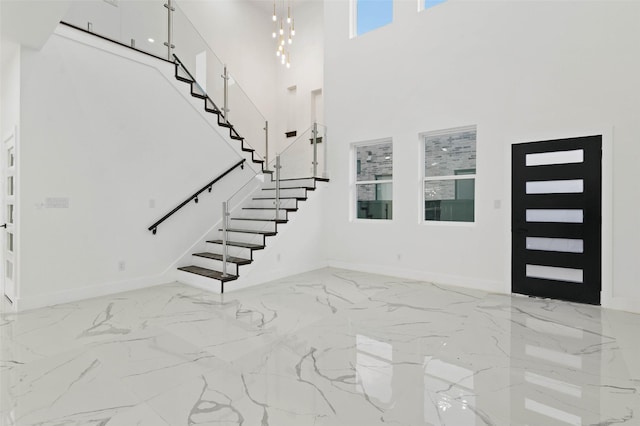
556	219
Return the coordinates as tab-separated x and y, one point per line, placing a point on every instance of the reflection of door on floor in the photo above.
556	219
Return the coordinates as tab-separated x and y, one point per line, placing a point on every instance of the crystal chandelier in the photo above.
283	31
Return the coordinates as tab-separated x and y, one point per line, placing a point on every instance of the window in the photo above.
426	4
374	180
449	175
371	14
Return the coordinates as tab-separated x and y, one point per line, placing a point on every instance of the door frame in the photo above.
15	134
607	296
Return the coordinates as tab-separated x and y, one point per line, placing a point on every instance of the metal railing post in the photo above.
278	167
315	149
324	153
169	42
225	76
225	215
266	145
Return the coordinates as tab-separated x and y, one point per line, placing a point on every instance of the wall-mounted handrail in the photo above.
154	228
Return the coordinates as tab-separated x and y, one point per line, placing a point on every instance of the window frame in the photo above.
422	137
356	182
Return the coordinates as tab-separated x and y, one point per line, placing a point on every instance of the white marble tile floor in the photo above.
325	348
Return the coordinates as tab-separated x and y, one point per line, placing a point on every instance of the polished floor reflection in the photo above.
330	347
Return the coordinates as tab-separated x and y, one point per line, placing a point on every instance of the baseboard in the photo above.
82	293
420	275
621	304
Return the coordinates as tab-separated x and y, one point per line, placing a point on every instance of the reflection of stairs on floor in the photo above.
249	226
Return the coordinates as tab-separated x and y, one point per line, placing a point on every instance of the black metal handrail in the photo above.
154	228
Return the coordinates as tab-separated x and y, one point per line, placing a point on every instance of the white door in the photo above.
8	239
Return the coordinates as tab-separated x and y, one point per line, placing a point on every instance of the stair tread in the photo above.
282	198
289	209
260	219
251	231
239	244
209	273
230	259
310	188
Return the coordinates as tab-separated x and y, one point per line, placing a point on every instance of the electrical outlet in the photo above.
122	265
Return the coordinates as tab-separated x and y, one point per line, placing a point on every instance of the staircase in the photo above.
253	220
249	226
182	74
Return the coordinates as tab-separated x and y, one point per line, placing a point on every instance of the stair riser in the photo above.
243	237
215	265
260	214
252	224
195	90
295	183
286	192
289	203
241	252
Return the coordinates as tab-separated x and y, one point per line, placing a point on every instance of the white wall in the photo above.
517	70
9	121
115	136
239	32
306	72
31	22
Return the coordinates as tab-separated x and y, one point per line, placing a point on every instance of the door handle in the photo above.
3	226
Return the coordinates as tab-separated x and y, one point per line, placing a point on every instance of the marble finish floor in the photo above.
329	347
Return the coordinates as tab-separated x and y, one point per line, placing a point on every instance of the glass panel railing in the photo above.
149	26
198	58
211	75
141	24
246	118
242	226
306	156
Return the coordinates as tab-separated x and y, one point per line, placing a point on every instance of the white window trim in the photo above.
422	139
355	182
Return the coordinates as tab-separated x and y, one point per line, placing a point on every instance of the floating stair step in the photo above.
257	219
238	244
238	138
310	188
212	110
184	79
289	209
230	259
247	149
282	198
209	273
251	231
223	124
